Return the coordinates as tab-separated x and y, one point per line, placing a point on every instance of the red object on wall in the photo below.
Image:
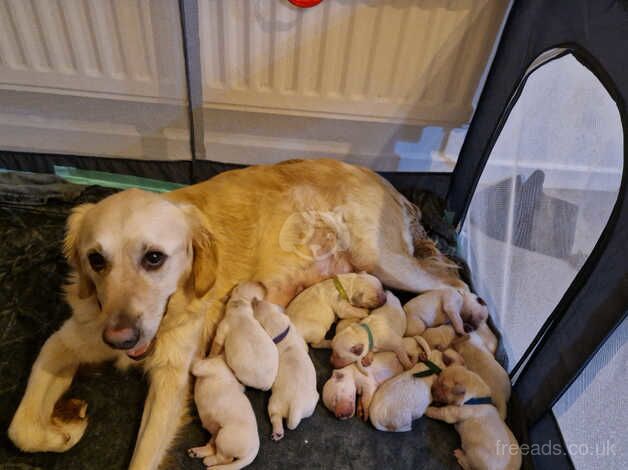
305	3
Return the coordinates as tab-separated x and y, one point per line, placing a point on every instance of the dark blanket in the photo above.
32	272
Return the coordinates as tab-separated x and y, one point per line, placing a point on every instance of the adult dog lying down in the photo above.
152	272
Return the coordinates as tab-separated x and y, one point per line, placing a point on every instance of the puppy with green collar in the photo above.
382	330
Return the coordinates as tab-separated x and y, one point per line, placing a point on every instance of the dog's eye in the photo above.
96	261
153	260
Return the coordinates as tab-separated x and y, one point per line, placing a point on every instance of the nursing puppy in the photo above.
462	308
480	360
227	414
313	311
404	398
382	330
342	388
294	394
248	349
479	425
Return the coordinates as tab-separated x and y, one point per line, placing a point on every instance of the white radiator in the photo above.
92	46
415	62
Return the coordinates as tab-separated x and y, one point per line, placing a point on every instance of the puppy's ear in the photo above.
205	261
458	389
357	349
70	249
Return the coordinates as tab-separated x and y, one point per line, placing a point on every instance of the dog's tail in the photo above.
238	463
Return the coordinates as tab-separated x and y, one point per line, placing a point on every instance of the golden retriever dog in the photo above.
152	273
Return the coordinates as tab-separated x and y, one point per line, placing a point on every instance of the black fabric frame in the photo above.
596	33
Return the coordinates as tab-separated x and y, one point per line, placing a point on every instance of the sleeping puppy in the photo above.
382	330
404	398
462	308
314	310
441	337
294	394
226	413
477	421
480	360
248	349
342	388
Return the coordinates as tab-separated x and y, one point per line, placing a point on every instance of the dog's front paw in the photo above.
54	436
277	435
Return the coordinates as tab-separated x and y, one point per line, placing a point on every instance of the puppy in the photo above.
227	414
314	310
294	394
439	337
342	388
248	349
462	308
404	398
480	360
488	337
478	423
382	330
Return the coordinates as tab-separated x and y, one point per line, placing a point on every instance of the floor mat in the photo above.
32	272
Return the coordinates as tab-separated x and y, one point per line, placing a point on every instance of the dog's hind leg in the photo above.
403	271
202	451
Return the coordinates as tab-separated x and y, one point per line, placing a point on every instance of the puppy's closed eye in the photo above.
458	389
339	375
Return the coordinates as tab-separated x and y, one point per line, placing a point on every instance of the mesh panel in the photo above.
593	413
544	198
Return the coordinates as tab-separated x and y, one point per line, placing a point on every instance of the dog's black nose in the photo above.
122	333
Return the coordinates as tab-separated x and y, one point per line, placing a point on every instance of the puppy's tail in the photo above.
238	463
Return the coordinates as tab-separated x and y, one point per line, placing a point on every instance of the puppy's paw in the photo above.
277	435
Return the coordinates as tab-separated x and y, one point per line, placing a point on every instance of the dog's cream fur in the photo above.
404	398
216	234
480	360
479	426
227	414
387	325
294	395
248	350
314	310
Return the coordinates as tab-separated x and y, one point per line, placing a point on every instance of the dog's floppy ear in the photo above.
204	251
70	248
357	349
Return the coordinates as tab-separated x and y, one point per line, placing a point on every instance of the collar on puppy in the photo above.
277	339
479	401
341	290
370	333
432	369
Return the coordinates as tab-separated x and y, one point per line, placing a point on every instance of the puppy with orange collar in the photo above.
469	407
382	330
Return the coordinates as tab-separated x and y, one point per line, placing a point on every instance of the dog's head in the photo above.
271	317
439	337
474	311
132	251
456	384
363	290
349	346
339	394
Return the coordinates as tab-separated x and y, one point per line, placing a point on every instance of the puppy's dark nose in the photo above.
122	333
